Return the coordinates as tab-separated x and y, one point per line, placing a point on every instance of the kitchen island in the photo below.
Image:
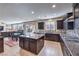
32	42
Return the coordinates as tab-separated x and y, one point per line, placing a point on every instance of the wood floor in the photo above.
50	49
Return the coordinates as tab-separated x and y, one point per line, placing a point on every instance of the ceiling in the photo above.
20	12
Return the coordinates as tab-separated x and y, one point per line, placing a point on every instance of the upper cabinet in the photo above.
76	14
70	21
70	14
76	10
60	24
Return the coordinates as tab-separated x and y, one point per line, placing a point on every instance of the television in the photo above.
41	25
1	28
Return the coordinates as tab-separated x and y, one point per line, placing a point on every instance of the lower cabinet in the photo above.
21	41
52	37
40	44
32	45
26	44
65	50
36	45
1	45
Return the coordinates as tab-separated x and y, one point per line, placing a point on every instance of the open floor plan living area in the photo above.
39	29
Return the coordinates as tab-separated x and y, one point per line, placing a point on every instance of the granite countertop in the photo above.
32	35
72	45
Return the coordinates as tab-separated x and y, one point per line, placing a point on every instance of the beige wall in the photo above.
3	24
52	20
35	25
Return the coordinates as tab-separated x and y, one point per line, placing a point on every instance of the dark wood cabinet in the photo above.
69	14
31	44
36	45
65	50
26	44
21	42
52	37
1	45
76	10
60	24
40	43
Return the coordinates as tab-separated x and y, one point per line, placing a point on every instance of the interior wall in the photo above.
77	23
3	24
46	21
31	25
34	25
8	27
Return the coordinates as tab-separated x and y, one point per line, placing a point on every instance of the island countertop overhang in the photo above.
33	36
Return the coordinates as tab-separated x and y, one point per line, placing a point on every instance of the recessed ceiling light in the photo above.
53	6
33	12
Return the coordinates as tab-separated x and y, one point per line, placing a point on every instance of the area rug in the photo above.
11	43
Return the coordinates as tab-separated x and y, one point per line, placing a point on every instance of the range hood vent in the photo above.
71	18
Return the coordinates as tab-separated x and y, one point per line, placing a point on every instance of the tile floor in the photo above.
50	49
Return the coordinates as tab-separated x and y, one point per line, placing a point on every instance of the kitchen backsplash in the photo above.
72	33
77	23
